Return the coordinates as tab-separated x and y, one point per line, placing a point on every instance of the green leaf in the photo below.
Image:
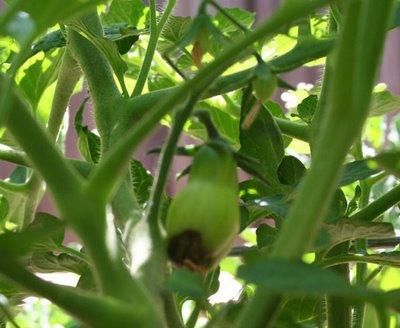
396	17
263	139
226	123
268	207
87	282
266	235
388	161
173	32
307	107
142	181
16	201
244	17
302	309
89	144
393	299
188	284
107	47
47	262
50	229
4	208
337	208
245	218
45	14
212	281
55	39
357	170
38	237
124	36
300	279
252	167
353	204
291	170
124	11
384	102
6	45
38	76
346	229
157	82
255	189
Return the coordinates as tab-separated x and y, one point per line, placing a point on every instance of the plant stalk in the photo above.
356	62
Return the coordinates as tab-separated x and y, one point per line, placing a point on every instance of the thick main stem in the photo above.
356	63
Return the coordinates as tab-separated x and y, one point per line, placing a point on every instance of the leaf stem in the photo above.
158	258
12	156
155	31
361	244
68	77
173	317
379	206
6	186
103	89
151	48
191	323
227	15
353	258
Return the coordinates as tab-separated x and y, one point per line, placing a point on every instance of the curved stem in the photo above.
352	258
103	89
7	83
361	244
151	49
173	317
13	187
166	157
155	31
68	77
12	156
191	323
72	252
379	206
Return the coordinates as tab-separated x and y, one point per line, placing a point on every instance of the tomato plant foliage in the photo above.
306	235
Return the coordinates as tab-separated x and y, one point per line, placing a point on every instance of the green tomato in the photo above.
203	219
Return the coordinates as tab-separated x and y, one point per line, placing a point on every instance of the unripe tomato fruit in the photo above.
203	218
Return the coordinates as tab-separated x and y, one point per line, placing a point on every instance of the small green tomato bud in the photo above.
203	218
264	83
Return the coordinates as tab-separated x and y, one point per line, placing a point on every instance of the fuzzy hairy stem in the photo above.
356	63
103	89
